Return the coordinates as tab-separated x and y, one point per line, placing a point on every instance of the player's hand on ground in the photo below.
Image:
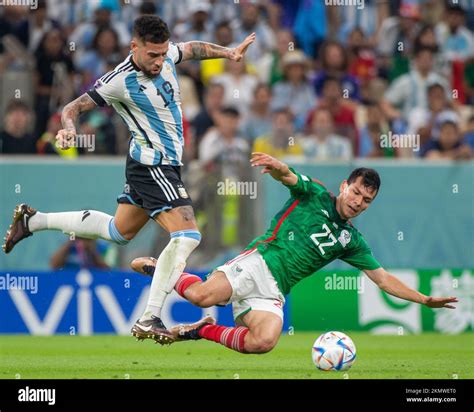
432	302
270	165
65	138
239	51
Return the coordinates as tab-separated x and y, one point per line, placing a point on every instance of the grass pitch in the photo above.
428	356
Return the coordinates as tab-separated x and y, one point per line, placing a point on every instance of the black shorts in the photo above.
153	188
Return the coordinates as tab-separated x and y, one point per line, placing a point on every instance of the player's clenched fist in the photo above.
65	138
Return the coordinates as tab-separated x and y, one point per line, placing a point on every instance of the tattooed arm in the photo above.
200	50
69	116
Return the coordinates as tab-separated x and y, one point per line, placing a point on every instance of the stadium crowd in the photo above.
321	82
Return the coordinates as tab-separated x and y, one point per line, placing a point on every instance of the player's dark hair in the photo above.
370	178
150	28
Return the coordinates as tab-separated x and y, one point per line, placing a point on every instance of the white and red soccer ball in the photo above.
334	351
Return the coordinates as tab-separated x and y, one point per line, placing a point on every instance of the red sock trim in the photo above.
185	281
232	338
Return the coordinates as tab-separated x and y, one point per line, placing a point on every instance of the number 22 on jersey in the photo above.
326	234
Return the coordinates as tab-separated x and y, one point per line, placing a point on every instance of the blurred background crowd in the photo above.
321	82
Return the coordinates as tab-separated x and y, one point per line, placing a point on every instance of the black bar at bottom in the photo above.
427	394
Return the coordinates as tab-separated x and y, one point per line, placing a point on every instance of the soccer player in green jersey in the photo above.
310	231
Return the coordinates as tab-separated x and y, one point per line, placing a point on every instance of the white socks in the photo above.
92	224
89	224
169	267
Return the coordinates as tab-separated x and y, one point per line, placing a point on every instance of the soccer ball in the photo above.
334	351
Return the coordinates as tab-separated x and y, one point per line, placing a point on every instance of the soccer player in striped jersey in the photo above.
311	230
144	91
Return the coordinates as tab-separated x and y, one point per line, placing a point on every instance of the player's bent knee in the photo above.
116	236
261	345
200	297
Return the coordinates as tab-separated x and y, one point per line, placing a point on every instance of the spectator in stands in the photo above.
80	253
14	22
223	36
39	24
103	57
287	12
251	21
239	85
457	49
311	25
426	38
270	66
469	81
16	137
85	32
422	120
223	146
342	111
468	135
362	63
199	26
395	39
449	145
223	11
334	62
410	90
259	119
295	90
370	135
53	77
322	143
457	41
205	119
368	19
281	141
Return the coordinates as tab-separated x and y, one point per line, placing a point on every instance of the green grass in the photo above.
429	356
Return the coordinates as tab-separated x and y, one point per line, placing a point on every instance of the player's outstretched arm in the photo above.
69	116
201	50
395	287
277	169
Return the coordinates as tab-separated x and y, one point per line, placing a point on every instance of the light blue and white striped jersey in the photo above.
151	108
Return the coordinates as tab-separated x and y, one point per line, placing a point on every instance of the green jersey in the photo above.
307	234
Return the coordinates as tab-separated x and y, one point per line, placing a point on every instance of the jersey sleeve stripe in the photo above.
106	76
127	67
180	56
97	98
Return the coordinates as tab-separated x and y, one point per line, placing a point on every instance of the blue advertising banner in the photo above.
86	302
